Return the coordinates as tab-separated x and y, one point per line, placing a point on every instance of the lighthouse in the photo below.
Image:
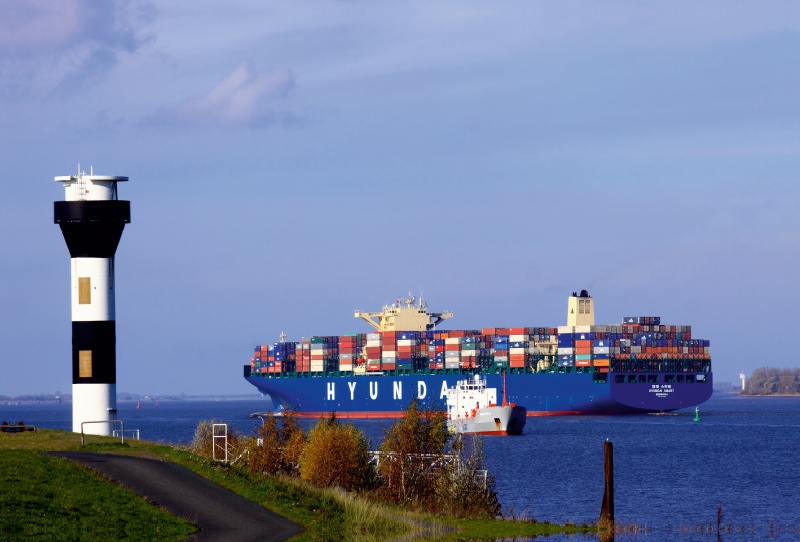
92	218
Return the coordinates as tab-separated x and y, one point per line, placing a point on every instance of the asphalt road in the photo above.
220	514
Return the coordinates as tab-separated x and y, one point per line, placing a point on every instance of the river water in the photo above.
671	473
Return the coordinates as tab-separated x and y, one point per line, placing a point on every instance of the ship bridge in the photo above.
405	315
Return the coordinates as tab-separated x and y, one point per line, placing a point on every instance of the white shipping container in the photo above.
406	342
636	349
601	350
389	354
319	347
345	367
516	350
374	336
452	365
347	356
452	354
566	351
565	330
518	338
453	340
584	329
374	342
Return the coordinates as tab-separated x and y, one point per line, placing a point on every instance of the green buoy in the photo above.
697	414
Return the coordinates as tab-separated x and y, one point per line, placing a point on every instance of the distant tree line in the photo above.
773	381
39	397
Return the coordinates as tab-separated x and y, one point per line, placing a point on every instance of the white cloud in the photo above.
242	98
37	24
50	46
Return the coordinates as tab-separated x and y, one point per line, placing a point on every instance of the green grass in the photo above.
48	498
327	514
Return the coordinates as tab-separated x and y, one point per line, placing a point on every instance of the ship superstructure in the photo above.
639	365
404	315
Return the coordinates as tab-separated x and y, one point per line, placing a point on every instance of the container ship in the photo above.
637	366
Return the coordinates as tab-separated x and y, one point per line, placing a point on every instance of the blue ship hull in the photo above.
543	394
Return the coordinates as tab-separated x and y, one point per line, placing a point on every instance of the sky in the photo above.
291	162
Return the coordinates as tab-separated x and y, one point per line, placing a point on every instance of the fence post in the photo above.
607	508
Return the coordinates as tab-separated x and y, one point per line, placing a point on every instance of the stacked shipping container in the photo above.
638	339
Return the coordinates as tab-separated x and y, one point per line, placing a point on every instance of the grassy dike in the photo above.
49	492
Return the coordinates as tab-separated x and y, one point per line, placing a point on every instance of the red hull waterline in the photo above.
393	415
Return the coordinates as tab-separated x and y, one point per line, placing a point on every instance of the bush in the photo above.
203	442
466	489
336	455
280	445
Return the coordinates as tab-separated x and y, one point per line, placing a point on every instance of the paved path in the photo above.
220	514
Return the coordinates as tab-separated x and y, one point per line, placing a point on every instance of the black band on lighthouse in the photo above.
94	352
92	229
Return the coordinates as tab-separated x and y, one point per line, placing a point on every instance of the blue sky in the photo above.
293	161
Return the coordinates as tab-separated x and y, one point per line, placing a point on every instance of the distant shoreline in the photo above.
773	395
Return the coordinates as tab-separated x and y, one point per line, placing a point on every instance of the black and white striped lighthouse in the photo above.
92	219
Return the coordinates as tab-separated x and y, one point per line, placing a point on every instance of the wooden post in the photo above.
607	508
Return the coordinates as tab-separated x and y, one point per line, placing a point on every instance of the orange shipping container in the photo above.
583	343
516	363
583	350
601	363
519	331
516	357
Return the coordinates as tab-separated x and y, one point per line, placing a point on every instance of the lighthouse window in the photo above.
84	291
85	363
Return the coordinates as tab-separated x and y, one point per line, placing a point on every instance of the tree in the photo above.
412	455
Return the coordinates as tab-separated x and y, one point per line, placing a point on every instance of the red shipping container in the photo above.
489	331
388	366
373	366
519	331
582	343
452	347
468	363
407	350
583	363
389	335
583	350
373	352
518	358
516	363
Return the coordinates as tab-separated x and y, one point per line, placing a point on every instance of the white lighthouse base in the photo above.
92	403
